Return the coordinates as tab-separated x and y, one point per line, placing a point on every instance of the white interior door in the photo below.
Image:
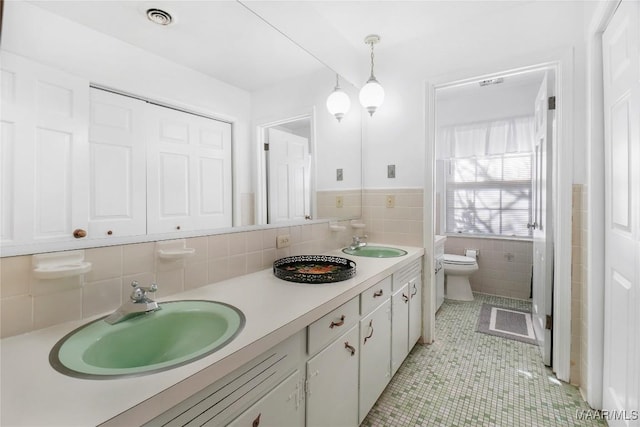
117	198
44	150
541	222
621	67
189	171
289	170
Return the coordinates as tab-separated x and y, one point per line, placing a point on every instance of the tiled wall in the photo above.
504	266
28	304
401	224
579	335
339	204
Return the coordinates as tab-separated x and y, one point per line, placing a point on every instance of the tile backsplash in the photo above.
27	303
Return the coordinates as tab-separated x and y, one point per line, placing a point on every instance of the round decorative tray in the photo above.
314	269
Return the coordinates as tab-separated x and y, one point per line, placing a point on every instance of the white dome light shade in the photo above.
371	95
338	103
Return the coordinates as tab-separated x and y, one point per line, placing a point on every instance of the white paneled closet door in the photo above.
117	203
45	166
621	382
189	171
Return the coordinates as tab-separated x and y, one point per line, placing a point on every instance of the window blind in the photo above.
489	195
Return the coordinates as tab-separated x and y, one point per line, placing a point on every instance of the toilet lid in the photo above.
458	259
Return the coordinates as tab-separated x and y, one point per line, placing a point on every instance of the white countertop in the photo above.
34	394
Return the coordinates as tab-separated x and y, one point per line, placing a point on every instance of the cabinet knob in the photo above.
79	233
109	232
178	228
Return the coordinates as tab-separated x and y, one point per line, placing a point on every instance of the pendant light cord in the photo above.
372	76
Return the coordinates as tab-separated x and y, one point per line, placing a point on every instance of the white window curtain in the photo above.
511	135
488	178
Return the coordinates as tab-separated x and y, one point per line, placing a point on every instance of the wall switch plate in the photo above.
339	175
391	201
391	171
339	202
283	241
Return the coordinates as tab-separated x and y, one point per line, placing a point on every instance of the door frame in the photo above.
592	380
261	170
562	62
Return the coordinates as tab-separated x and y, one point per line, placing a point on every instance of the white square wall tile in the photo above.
16	315
196	275
138	258
59	307
15	273
106	263
169	282
100	297
218	246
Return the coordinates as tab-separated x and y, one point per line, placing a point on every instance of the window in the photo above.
489	195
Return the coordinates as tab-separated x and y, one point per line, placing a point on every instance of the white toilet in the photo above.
457	269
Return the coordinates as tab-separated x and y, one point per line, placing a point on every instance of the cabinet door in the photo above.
281	407
189	171
332	378
399	327
375	356
44	152
117	204
415	310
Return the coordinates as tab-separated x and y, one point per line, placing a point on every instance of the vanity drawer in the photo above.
331	326
375	295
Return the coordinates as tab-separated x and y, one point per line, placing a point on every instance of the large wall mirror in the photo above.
84	82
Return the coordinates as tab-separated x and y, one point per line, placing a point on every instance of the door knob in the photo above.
79	233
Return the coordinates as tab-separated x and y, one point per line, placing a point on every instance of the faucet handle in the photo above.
139	293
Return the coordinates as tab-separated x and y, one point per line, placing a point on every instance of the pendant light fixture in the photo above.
372	93
338	103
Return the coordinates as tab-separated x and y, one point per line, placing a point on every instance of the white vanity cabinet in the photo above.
375	356
351	354
415	309
45	163
400	327
332	383
406	311
281	407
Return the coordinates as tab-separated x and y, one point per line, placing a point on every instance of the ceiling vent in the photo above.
489	82
159	17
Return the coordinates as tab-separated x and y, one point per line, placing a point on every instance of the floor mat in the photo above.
506	323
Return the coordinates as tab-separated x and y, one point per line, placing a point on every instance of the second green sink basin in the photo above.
179	333
375	251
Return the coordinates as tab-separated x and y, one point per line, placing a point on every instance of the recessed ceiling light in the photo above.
159	16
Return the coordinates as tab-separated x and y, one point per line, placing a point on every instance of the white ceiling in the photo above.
219	38
226	40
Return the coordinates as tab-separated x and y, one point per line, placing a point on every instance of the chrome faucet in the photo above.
139	303
358	242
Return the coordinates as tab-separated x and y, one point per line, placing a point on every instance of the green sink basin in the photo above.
179	333
375	251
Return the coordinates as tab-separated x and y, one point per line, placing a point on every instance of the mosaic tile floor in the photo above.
466	378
